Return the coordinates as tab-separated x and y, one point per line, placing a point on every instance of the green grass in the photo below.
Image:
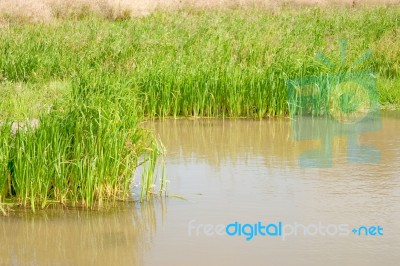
204	63
84	152
22	99
91	81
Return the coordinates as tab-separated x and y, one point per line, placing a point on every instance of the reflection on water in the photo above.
233	170
248	171
118	236
280	142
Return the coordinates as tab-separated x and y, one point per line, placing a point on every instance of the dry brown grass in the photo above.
48	10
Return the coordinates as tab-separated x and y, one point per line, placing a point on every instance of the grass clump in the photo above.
84	151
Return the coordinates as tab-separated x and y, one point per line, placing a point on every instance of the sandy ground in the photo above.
46	10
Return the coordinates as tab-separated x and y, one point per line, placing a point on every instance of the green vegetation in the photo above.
91	81
84	151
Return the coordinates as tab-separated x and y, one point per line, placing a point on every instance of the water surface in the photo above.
232	170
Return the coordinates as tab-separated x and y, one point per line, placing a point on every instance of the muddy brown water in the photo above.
244	171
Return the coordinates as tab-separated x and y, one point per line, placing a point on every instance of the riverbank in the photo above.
91	80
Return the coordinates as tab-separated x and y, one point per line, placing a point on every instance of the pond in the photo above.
243	196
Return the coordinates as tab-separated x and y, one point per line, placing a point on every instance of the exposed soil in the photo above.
47	10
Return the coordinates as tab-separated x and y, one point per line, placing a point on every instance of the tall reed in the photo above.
84	151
